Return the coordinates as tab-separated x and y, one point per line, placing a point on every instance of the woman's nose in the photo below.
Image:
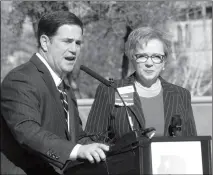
149	62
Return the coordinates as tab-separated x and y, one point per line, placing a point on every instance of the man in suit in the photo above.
39	116
151	101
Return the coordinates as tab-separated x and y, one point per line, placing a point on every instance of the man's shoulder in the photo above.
24	68
23	71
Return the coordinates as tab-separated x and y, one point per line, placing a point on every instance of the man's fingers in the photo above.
93	152
96	156
101	154
103	147
90	158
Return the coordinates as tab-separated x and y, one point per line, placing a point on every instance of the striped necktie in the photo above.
63	97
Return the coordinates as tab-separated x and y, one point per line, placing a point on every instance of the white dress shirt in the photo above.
58	80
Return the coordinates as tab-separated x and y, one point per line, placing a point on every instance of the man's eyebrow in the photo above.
68	39
72	39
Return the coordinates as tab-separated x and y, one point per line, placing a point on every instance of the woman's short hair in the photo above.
145	34
50	22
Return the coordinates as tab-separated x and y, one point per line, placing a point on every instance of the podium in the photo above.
139	155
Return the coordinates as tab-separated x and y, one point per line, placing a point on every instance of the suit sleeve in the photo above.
98	119
190	121
20	108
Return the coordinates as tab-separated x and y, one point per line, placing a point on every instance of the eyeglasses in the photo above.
156	58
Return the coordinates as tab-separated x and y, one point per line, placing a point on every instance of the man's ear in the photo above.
44	40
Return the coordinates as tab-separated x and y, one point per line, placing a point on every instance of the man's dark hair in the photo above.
50	22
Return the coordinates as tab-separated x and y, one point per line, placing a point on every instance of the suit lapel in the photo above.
137	110
51	86
169	99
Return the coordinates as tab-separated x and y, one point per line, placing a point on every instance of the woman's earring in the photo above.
163	68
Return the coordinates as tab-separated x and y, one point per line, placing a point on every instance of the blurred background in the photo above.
107	25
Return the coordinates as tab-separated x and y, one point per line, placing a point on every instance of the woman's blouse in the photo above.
152	106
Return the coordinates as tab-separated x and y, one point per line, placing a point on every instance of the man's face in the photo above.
63	49
149	70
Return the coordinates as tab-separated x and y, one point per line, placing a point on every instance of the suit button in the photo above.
48	153
56	157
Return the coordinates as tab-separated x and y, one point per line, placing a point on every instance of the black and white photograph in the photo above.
106	87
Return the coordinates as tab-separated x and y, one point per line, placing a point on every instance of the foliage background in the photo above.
107	25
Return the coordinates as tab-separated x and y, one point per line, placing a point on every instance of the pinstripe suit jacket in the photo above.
104	115
35	137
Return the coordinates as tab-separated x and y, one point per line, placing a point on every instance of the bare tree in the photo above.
107	27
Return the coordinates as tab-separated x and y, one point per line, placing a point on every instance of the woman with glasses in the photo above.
150	101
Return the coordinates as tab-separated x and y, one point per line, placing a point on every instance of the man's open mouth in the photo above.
70	58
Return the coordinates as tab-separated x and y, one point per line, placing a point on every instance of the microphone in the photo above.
175	126
109	84
149	132
95	75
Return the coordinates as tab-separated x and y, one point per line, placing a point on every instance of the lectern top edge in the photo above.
179	138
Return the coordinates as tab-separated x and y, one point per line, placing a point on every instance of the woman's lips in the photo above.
149	71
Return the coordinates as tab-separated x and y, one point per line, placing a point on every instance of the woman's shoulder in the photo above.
177	88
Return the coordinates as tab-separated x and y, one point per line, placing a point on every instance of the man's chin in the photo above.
68	70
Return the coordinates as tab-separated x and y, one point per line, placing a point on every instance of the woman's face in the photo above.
148	60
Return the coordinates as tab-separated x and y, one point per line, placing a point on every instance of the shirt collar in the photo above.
152	91
55	77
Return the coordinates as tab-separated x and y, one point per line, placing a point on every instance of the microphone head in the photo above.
95	75
149	132
82	66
